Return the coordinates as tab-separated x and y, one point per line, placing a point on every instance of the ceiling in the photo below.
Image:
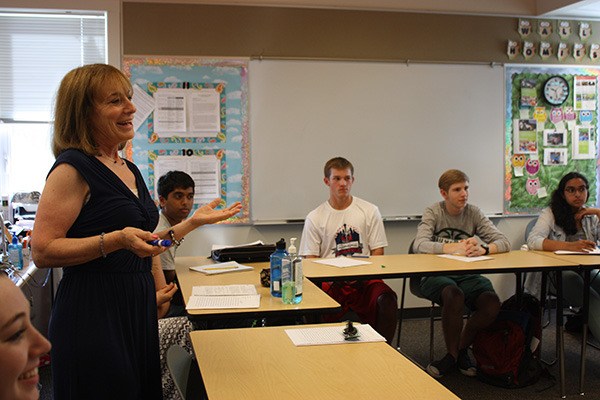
574	9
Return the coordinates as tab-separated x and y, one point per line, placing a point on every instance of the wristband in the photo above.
175	241
102	245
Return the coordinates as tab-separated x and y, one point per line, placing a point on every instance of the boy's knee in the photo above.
387	303
489	303
453	297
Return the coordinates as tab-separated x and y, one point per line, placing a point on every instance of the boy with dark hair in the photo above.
176	200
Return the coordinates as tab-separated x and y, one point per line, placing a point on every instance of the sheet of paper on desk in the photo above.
332	335
594	252
219	302
221	268
465	259
342	262
224	290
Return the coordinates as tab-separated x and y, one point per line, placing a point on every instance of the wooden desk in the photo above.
406	265
263	363
314	300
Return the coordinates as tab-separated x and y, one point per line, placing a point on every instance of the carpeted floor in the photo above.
415	344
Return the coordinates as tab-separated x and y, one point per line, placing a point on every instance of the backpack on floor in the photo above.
507	352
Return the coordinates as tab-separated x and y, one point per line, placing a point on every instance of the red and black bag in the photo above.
507	352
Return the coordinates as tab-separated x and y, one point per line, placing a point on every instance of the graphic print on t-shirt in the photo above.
347	242
450	235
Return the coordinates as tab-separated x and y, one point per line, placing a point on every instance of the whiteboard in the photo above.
400	125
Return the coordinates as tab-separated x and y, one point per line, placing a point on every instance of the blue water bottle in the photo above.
15	253
276	259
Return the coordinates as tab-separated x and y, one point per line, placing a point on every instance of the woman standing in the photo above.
94	218
569	225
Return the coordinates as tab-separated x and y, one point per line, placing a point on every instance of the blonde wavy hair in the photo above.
74	106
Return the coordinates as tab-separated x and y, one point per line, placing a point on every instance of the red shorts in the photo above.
358	296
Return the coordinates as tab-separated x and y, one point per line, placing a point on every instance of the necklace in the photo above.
113	160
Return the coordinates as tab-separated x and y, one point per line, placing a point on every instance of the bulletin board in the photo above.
544	141
192	115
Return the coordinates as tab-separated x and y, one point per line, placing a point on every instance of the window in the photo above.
36	51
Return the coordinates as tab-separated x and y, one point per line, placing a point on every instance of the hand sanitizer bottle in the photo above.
15	253
297	271
288	287
276	259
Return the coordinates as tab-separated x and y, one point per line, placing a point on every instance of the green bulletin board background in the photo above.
517	199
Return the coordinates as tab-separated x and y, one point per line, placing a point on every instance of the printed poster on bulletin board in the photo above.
550	130
192	116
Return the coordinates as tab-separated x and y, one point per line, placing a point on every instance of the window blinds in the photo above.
36	51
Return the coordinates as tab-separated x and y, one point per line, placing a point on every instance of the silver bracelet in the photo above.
175	241
102	245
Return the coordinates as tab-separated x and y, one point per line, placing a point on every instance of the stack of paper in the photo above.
464	258
221	268
332	335
342	262
594	252
224	296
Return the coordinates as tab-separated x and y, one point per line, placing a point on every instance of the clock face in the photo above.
556	90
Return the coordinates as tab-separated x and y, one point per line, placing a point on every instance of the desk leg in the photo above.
519	288
543	306
560	332
584	336
401	316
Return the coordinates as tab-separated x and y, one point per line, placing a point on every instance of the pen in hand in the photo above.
160	242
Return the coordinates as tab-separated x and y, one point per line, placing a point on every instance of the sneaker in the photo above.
465	364
439	368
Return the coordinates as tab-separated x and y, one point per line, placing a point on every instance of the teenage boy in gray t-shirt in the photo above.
454	227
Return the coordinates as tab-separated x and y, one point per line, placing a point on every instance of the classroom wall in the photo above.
204	30
210	30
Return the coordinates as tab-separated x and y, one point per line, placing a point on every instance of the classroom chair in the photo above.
185	373
415	289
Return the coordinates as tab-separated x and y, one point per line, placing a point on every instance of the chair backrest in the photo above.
179	362
415	282
529	227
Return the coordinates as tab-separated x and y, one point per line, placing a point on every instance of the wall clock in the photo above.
556	90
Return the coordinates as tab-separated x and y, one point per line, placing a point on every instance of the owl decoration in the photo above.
564	29
539	114
532	186
594	51
518	160
585	116
563	51
556	115
545	50
545	29
532	167
569	114
524	28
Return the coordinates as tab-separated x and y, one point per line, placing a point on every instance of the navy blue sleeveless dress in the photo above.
104	328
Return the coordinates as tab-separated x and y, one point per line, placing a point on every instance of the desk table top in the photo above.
583	260
263	363
313	299
404	265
